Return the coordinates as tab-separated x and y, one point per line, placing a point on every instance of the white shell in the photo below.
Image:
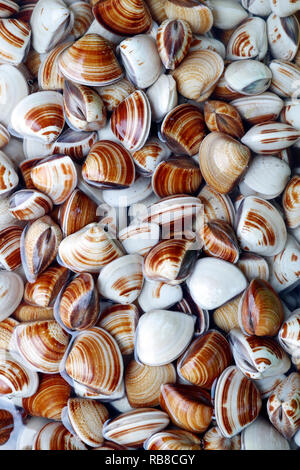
137	192
97	28
207	43
261	435
291	113
249	40
227	14
248	77
285	7
214	282
270	137
283	35
29	431
11	293
13	88
285	266
259	108
162	96
257	7
8	177
286	78
139	238
157	295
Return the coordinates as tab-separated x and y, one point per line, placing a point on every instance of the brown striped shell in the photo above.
54	436
173	40
25	169
199	16
112	95
205	359
76	212
254	266
150	155
109	165
173	440
29	205
14	40
6	330
214	440
49	74
10	237
44	290
8	176
223	117
6	422
226	317
289	335
29	313
16	379
269	138
219	240
291	202
216	205
83	17
95	361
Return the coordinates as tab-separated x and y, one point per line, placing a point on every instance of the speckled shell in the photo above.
283	35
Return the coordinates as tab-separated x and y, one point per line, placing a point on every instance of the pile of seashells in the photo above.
150	224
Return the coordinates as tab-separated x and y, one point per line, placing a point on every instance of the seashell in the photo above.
39	116
188	406
121	321
41	344
122	279
139	239
170	261
4	136
27	204
289	336
173	40
11	293
25	169
56	176
112	95
8	177
259	108
88	250
222	174
187	305
198	16
14	40
216	205
110	446
285	8
237	402
270	137
223	117
154	327
267	385
198	73
284	267
209	273
214	440
28	431
260	227
8	8
84	109
205	359
157	10
223	92
85	418
131	120
177	175
162	96
90	61
207	43
291	202
95	361
249	40
50	22
254	266
54	436
261	435
158	295
173	440
30	313
290	113
50	398
76	212
285	79
6	330
186	137
257	7
150	155
6	423
16	379
39	246
257	357
227	15
46	287
139	191
248	77
219	240
83	17
283	35
143	383
49	74
10	258
226	316
13	88
266	177
109	165
283	406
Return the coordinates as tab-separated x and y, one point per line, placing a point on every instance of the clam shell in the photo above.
283	406
173	41
205	359
226	316
28	432
198	73
214	282
162	335
139	239
222	174
83	18
41	344
216	205
261	435
39	116
10	237
199	17
6	426
4	136
259	108
214	440
187	305
248	77
284	267
90	61
285	8
270	137
49	74
139	191
112	95
157	9
16	379
95	361
291	202
188	406
54	436
219	240
227	15
257	7
39	246
143	383
11	293
205	42
14	40
109	165
183	129
254	266
50	398
223	92
88	250
173	440
27	204
237	402
223	117
286	76
46	287
158	295
258	358
8	8
162	96
121	321
25	169
131	120
133	428
13	88
121	280
249	40
290	113
267	385
76	212
86	418
8	176
283	35
30	313
289	336
260	227
6	330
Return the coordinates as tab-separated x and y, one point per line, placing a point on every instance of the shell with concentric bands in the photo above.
199	16
44	290
10	240
219	240
223	117
291	202
8	176
173	439
76	212
54	436
49	74
112	95
214	440
29	205
15	37
173	40
16	379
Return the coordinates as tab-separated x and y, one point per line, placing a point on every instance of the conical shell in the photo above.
214	440
44	290
77	212
259	108
54	436
173	41
291	202
10	247
199	16
16	379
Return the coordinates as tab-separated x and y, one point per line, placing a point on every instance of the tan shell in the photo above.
29	313
254	266
226	316
112	95
223	117
54	436
46	287
291	202
77	211
49	74
214	440
16	379
173	440
10	239
6	330
220	241
199	16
